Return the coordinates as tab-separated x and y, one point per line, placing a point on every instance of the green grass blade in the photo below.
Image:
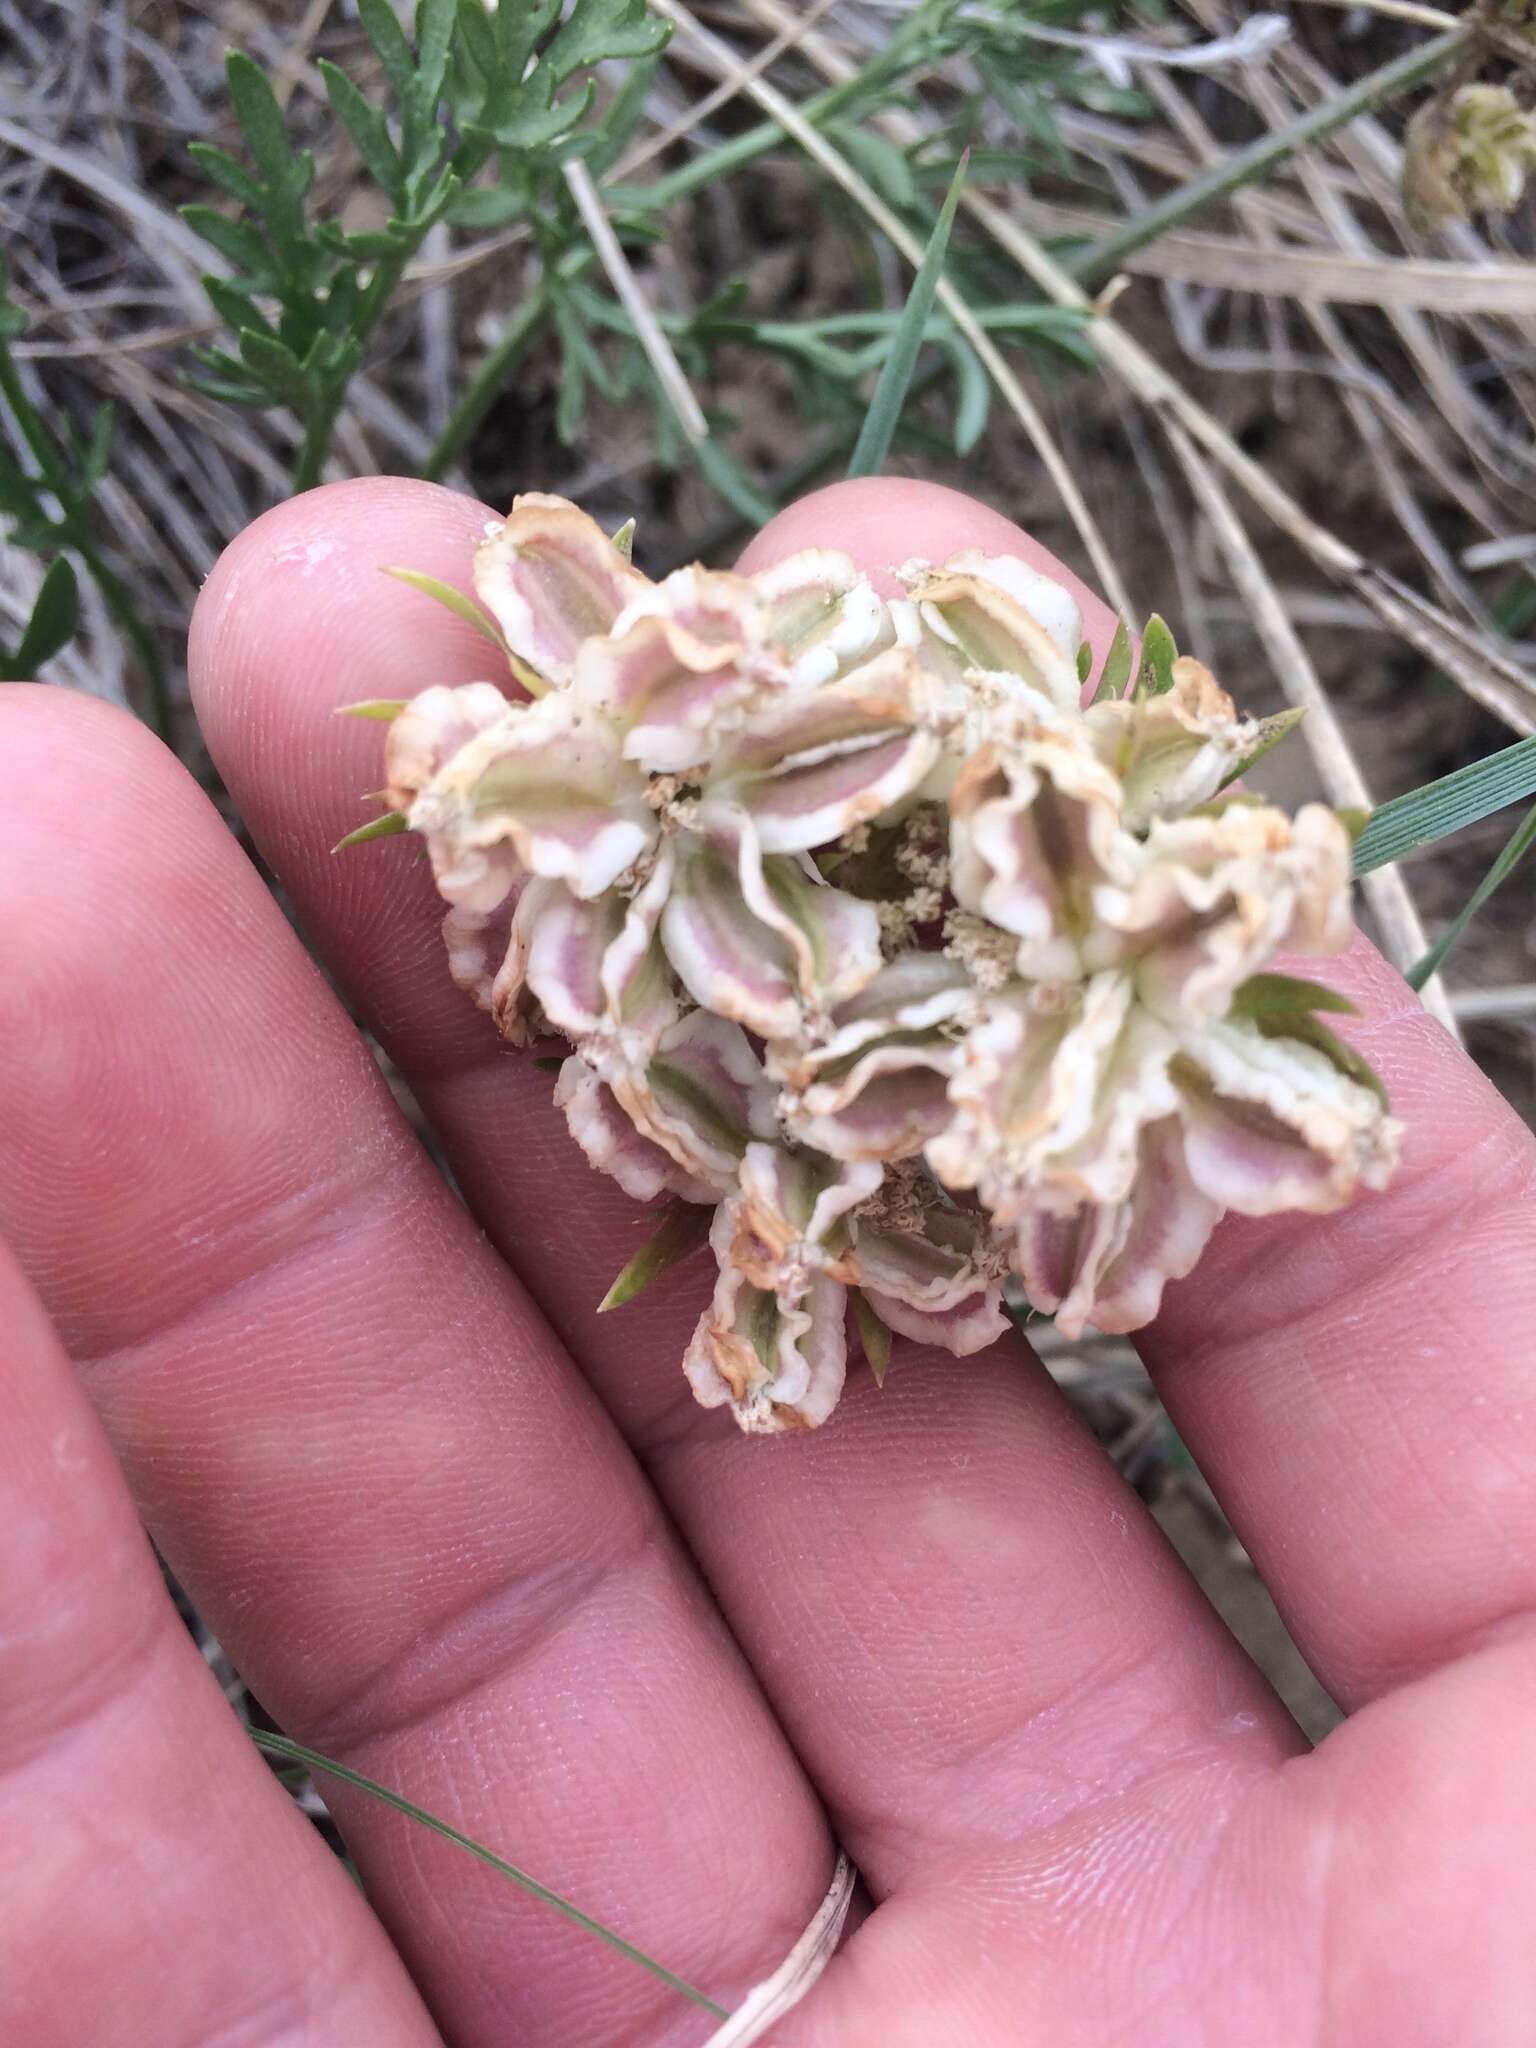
885	408
1520	843
1440	808
295	1752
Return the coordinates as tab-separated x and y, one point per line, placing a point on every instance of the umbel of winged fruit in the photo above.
867	937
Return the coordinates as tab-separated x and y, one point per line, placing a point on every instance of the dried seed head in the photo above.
865	932
1471	153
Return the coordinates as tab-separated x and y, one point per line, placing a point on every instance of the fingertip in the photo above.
883	521
298	614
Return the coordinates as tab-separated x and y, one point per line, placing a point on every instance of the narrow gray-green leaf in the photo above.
1518	845
295	1752
1440	808
683	1230
278	368
382	27
885	408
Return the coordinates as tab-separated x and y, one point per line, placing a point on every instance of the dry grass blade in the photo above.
1402	931
659	352
1479	665
1392	283
768	2002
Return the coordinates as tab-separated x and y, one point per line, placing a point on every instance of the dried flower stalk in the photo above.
865	933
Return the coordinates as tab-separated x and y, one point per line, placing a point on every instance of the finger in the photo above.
1361	1389
962	1615
358	1444
159	1885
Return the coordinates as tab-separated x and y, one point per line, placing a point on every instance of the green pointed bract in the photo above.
1271	732
624	540
452	600
1117	663
1309	1029
1154	678
376	828
874	1335
386	709
1287	995
1287	1006
683	1230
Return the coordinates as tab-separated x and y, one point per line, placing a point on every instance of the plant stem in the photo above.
320	427
483	389
316	444
1094	265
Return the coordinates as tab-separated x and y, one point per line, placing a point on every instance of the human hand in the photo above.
659	1664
